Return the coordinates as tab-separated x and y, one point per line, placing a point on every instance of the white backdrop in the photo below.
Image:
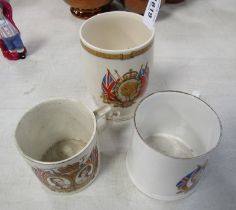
195	49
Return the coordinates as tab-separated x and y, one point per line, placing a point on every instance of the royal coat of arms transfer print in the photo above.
123	90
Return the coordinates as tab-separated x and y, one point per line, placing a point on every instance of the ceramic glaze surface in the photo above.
175	133
58	139
181	116
71	177
63	149
52	122
169	145
117	60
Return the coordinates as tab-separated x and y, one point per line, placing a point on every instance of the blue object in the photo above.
13	43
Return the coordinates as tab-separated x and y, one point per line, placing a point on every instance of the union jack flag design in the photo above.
143	75
183	186
108	86
185	180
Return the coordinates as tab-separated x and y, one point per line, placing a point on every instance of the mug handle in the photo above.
100	112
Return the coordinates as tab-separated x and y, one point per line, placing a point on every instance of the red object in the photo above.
108	86
7	54
7	12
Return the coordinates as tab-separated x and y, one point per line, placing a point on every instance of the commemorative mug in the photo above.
174	135
117	51
58	140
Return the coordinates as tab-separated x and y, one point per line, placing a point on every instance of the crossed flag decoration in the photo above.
109	82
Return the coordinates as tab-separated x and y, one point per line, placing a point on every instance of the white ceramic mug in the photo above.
117	51
58	139
175	133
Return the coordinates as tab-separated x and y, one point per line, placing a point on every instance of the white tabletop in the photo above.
195	49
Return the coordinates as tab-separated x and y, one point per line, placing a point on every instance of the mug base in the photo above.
87	13
156	196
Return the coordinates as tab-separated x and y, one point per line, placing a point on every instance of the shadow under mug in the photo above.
117	60
58	139
175	133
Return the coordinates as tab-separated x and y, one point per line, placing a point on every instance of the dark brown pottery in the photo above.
173	1
87	8
137	6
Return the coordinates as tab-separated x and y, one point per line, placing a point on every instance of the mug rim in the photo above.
170	156
45	102
121	51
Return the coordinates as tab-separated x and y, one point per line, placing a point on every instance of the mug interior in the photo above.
53	122
116	31
177	124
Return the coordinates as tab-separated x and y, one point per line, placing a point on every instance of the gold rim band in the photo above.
117	56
